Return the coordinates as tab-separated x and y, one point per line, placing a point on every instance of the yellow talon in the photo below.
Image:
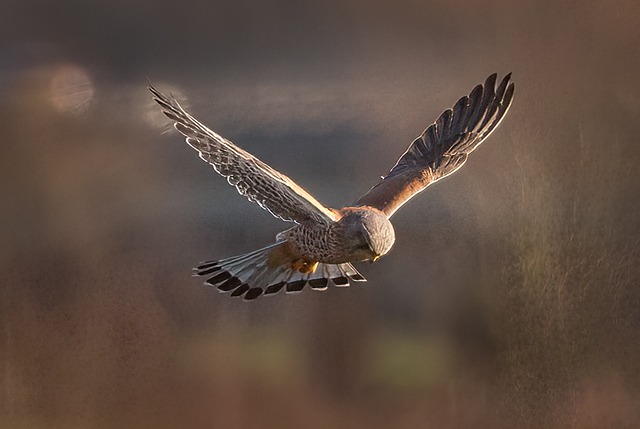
304	266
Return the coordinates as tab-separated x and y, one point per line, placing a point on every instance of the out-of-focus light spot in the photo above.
72	89
153	114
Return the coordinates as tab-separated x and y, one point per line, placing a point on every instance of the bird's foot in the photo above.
304	266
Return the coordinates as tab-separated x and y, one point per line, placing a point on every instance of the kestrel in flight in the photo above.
320	249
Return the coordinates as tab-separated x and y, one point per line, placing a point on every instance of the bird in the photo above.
320	248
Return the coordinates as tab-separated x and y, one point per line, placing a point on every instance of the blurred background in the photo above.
511	298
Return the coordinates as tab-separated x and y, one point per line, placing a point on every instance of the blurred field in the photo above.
511	299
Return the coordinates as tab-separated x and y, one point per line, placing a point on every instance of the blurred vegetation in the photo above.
512	296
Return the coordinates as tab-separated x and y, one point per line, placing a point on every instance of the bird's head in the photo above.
369	234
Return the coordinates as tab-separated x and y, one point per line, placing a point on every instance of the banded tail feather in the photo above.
251	275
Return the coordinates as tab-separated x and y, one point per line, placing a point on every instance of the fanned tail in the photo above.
251	275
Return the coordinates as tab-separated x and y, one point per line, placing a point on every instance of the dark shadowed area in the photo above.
511	298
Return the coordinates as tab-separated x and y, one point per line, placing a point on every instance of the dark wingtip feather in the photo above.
153	90
228	285
319	284
296	286
501	89
491	80
240	290
205	264
274	288
340	281
508	96
206	271
219	278
253	293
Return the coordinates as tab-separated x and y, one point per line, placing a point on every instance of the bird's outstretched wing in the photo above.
252	178
444	146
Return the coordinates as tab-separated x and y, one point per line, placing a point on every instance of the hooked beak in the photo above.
375	258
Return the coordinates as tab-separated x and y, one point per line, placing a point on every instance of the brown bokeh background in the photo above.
511	299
